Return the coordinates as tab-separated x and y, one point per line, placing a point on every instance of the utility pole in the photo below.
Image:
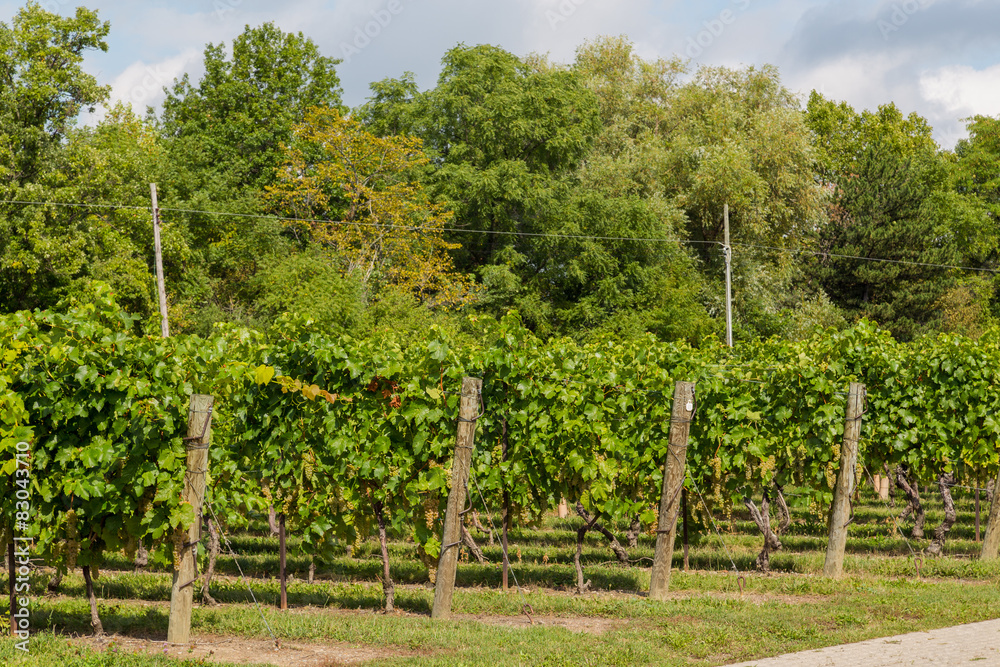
729	278
164	325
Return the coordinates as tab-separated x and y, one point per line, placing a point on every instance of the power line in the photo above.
495	232
71	205
457	230
907	262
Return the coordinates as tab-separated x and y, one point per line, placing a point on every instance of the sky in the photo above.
938	58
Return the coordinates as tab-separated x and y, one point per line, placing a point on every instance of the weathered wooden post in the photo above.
12	574
840	510
673	482
563	509
444	587
199	435
282	562
991	538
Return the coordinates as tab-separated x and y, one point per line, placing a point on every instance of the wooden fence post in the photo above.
12	574
673	481
840	510
444	587
563	509
991	538
199	435
282	561
977	511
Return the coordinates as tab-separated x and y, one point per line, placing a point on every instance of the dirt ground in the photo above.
242	651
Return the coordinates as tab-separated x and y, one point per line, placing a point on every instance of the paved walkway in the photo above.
975	643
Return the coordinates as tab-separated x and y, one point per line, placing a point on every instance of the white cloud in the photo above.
141	85
962	90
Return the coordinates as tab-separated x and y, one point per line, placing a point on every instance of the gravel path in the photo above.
975	643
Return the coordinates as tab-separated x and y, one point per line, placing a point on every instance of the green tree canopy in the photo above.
511	140
894	218
225	138
226	133
43	87
58	249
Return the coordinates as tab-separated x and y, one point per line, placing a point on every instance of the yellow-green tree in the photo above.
351	192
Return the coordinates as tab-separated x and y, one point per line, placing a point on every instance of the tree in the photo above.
227	133
977	175
893	216
42	90
225	137
510	140
348	190
688	148
58	250
43	87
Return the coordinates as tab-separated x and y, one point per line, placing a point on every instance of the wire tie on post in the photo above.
183	586
204	430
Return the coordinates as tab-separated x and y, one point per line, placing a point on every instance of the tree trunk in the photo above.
913	498
472	546
785	517
387	586
616	547
312	570
892	487
54	582
213	555
762	518
477	524
95	620
633	532
141	557
945	482
581	586
990	486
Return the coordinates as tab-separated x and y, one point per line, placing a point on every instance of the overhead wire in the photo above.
821	253
497	232
353	223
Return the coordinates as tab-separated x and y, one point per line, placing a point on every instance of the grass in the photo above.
707	621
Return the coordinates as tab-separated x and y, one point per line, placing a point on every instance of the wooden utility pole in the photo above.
840	510
729	276
673	482
282	566
160	287
444	587
991	538
199	435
